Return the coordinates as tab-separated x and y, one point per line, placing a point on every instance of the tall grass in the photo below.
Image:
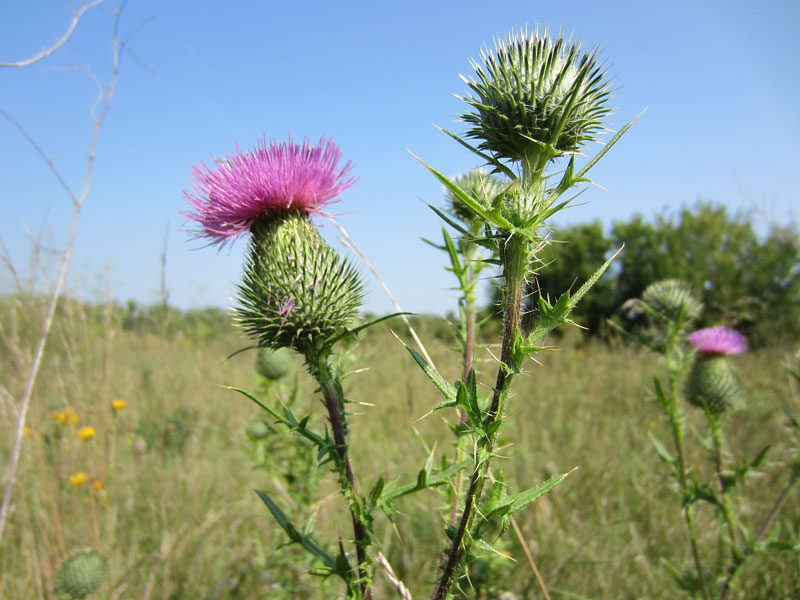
177	517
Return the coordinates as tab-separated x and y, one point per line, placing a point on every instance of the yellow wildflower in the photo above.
118	404
98	485
78	478
27	431
86	433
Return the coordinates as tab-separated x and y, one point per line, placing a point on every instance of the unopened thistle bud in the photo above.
478	184
713	380
536	98
669	296
81	574
274	364
296	291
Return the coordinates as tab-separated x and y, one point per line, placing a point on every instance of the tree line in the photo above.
747	280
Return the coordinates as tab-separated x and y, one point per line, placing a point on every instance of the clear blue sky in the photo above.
720	80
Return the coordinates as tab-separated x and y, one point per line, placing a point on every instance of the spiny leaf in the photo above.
297	537
499	167
517	502
447	389
662	452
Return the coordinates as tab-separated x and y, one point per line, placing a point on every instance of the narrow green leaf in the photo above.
517	502
240	350
606	148
447	389
661	396
376	491
459	270
593	279
435	480
355	330
500	167
295	535
446	218
662	452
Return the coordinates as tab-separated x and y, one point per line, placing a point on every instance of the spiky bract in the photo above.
536	98
713	380
296	291
669	296
274	364
477	183
81	574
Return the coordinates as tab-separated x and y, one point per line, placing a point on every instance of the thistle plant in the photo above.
713	388
538	102
81	574
296	292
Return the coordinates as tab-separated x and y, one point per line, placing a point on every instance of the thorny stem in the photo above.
727	508
515	266
335	406
677	433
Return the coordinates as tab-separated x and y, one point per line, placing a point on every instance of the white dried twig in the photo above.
77	13
77	201
389	572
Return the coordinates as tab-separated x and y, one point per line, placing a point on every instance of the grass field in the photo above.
169	478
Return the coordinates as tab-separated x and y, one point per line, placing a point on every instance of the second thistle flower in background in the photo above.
713	380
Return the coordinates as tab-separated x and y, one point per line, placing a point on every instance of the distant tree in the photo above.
746	280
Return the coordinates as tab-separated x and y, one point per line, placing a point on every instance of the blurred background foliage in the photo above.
747	280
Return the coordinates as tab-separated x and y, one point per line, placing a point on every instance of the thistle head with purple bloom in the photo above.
274	178
718	340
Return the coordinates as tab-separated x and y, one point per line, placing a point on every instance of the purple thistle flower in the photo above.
279	177
718	340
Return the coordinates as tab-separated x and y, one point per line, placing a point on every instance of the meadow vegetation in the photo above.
163	487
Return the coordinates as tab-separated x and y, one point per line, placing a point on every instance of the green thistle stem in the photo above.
334	403
676	420
727	505
515	267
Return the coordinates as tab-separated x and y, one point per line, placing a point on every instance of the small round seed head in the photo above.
666	297
296	291
713	380
81	574
274	364
534	94
257	429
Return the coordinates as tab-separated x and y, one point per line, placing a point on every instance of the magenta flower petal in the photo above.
274	177
718	340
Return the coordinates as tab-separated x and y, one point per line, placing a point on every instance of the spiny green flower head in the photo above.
296	291
712	377
714	380
536	98
81	574
666	297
